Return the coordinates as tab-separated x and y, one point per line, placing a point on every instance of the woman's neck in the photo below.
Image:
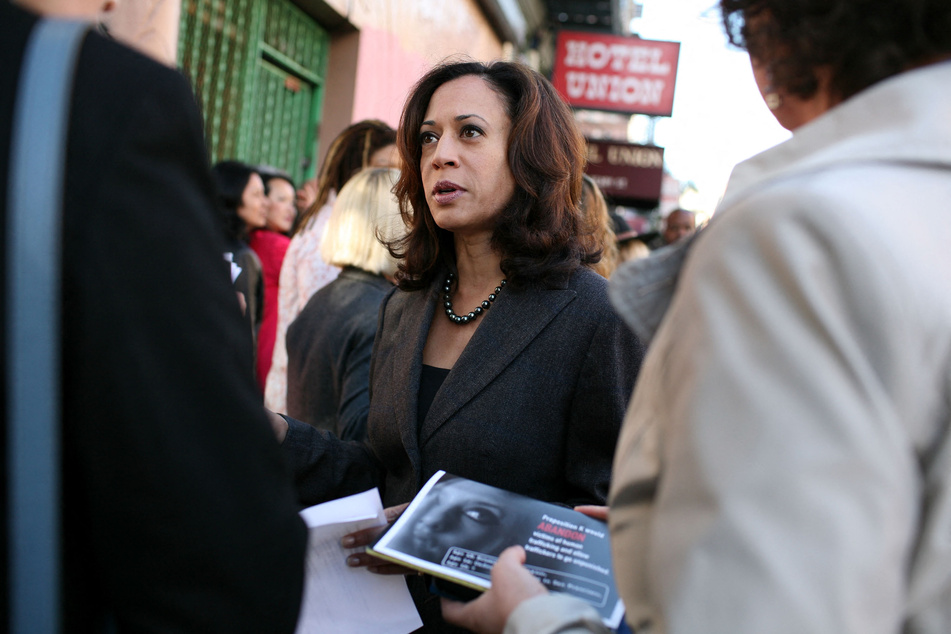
477	263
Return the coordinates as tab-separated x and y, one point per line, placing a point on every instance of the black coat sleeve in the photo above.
325	467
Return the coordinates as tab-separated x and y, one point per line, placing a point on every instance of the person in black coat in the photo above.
178	515
243	207
330	342
499	358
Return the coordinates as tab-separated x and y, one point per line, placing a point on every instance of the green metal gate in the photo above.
258	68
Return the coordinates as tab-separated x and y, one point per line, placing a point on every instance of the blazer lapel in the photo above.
514	320
407	365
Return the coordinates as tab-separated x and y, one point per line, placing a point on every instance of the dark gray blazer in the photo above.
533	405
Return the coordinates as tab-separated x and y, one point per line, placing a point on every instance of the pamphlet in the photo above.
456	528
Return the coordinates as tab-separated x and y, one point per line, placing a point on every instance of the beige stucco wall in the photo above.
425	30
399	40
148	25
395	43
430	29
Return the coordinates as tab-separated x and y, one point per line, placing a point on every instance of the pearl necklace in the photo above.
478	310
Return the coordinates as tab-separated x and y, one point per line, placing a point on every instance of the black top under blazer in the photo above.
533	405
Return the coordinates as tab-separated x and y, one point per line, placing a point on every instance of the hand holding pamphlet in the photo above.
345	600
455	529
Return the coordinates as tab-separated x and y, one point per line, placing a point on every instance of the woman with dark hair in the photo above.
270	244
794	405
281	192
499	358
368	143
243	208
532	222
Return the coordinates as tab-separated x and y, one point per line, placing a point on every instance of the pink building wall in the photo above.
401	39
385	73
396	42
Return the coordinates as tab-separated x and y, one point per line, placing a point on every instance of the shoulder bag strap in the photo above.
36	181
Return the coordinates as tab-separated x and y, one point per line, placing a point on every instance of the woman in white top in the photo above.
368	143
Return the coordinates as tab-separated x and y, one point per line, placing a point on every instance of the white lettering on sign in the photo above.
610	183
621	57
614	89
593	155
634	156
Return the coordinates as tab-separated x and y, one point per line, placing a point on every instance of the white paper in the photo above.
347	600
235	269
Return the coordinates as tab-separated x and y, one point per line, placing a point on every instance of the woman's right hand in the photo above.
366	537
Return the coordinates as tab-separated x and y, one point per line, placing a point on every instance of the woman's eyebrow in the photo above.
461	117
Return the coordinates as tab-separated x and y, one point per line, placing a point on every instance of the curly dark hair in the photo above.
861	41
349	153
537	232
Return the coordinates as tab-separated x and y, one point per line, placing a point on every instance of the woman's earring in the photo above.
772	98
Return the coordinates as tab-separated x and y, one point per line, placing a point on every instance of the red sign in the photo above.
622	74
626	172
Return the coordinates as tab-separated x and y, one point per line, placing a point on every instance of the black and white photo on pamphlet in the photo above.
456	528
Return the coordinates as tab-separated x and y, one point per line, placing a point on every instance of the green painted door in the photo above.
257	67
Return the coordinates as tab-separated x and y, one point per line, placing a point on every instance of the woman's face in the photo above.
464	162
281	210
460	514
306	195
386	156
253	207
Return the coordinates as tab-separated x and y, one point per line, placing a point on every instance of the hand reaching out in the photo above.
591	510
278	424
512	584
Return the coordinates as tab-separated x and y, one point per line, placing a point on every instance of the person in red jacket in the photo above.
270	243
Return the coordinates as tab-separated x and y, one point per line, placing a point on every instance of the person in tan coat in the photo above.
785	464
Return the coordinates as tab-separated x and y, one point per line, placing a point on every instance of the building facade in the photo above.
277	80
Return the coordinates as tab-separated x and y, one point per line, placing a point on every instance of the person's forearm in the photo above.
555	614
325	467
278	424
